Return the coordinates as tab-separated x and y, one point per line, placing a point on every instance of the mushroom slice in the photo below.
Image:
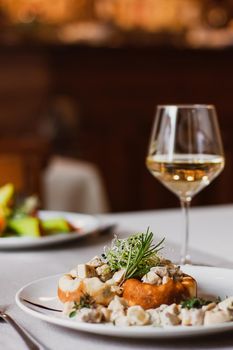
137	316
216	316
226	304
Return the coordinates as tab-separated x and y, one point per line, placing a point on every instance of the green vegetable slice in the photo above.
25	226
55	225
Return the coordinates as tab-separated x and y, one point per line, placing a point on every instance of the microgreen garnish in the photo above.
194	303
136	254
85	301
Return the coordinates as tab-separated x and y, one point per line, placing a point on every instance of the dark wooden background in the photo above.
115	92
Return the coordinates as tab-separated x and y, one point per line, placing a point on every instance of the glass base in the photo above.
186	260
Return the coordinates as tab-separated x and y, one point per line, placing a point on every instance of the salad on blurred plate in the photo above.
23	220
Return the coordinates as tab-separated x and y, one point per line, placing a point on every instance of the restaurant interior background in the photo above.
81	80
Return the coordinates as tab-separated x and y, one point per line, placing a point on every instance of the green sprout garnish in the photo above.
136	254
85	301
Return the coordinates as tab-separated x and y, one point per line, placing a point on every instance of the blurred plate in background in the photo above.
86	225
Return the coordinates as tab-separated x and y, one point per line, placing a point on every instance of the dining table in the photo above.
211	243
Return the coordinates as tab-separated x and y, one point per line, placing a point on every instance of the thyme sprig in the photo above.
85	301
136	254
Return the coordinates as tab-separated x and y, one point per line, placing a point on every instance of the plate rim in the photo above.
143	332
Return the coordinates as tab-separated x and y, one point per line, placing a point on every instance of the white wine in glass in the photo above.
185	154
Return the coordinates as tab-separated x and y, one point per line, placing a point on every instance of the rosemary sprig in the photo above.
136	254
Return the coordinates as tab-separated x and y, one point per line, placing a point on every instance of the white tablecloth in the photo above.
211	242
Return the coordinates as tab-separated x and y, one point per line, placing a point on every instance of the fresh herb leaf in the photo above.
85	301
136	254
194	303
73	314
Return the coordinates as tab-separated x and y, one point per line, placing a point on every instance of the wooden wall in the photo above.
115	92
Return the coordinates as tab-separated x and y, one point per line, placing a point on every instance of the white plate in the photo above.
87	224
211	281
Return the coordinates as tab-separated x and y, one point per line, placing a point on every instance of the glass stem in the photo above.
185	257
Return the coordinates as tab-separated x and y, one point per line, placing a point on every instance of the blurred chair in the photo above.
68	183
73	185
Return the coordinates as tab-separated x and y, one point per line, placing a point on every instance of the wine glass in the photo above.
185	154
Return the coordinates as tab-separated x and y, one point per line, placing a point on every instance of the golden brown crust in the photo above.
152	296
